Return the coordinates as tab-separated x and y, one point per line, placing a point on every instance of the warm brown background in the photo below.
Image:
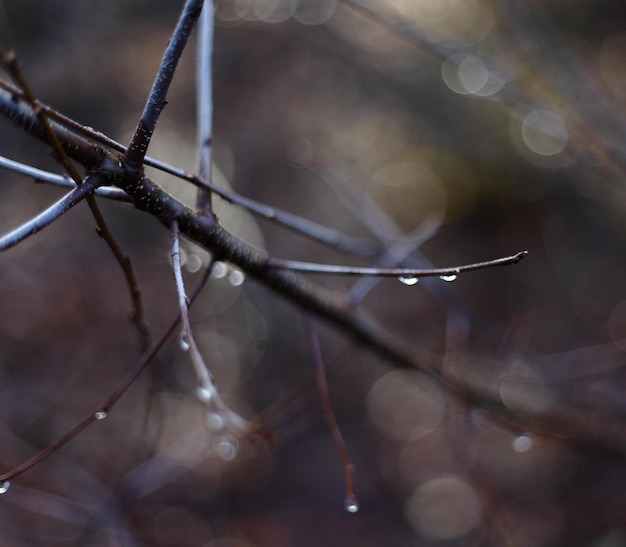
299	109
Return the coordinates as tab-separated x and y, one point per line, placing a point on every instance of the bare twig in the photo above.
52	213
77	148
204	85
409	275
220	415
39	175
156	101
351	503
102	411
63	157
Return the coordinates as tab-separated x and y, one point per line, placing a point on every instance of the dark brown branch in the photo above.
331	307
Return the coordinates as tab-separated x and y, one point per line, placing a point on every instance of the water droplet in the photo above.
448	278
4	487
184	344
523	443
225	447
204	394
410	281
351	504
100	415
219	270
215	421
194	263
236	278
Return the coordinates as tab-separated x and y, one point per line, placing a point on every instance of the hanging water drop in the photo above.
410	281
351	504
448	277
215	421
523	443
184	344
236	278
100	415
204	394
4	487
225	447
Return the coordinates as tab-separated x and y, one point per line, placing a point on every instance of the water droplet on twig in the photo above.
4	487
523	443
184	344
410	281
225	447
100	415
351	504
448	278
236	278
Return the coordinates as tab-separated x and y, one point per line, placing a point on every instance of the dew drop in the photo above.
215	421
523	443
351	504
219	270
410	281
184	344
448	278
204	394
236	278
4	487
225	447
100	415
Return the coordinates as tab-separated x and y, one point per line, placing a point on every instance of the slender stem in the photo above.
408	273
204	71
220	415
52	213
329	413
156	100
53	139
105	408
83	151
58	180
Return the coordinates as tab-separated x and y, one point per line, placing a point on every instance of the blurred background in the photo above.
466	130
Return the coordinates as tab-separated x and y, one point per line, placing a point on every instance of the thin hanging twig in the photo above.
102	410
351	503
220	415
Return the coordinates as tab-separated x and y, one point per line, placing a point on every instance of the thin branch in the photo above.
52	213
220	415
204	84
331	307
351	503
105	408
79	149
62	156
409	275
38	175
156	101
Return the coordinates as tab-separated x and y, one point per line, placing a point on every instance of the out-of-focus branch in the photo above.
351	503
204	85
